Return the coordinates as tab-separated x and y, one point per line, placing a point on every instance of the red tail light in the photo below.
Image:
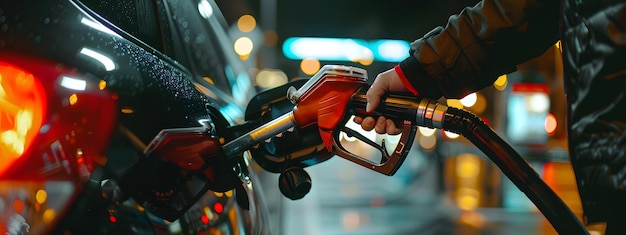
55	124
22	108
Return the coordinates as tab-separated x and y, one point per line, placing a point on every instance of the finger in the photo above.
391	128
357	119
377	90
372	102
368	123
381	125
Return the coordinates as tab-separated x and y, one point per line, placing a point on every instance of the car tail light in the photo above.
22	107
55	124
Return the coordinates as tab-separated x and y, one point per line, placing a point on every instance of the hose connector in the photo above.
430	113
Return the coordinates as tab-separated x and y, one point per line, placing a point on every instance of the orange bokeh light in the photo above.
551	124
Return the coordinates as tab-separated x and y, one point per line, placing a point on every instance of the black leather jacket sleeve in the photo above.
479	44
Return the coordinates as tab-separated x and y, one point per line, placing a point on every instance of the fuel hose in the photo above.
429	113
507	159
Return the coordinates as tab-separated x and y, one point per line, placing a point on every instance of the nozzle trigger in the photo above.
388	163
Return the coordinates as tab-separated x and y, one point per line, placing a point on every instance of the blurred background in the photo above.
446	185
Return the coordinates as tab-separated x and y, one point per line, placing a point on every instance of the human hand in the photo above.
388	81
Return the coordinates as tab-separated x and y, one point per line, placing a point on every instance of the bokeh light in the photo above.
551	124
500	83
310	66
243	46
469	100
246	23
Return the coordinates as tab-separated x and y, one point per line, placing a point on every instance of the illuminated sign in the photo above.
528	106
345	49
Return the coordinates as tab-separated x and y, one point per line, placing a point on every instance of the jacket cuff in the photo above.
421	82
409	87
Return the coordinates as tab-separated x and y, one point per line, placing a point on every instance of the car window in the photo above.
192	32
195	45
136	17
201	43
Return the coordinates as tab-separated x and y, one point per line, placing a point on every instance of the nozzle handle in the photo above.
420	111
402	109
392	106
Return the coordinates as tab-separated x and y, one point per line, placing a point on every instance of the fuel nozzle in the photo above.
408	111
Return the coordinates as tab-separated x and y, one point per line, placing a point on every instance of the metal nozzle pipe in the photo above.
261	133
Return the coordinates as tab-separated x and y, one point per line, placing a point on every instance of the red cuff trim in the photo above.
404	80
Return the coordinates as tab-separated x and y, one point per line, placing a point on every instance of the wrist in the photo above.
409	87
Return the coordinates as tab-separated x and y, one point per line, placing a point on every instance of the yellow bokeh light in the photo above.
455	103
126	110
310	66
367	57
73	99
41	196
481	104
246	23
244	57
102	84
267	78
367	61
467	165
467	198
49	215
243	46
501	82
209	80
467	202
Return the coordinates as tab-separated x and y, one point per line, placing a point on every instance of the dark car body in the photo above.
105	78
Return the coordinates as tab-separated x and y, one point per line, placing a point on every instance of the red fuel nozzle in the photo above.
328	100
323	100
336	93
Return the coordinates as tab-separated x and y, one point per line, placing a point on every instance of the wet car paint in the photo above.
153	91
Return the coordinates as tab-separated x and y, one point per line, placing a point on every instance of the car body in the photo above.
88	87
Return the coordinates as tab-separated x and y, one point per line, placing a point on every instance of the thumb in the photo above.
372	103
374	93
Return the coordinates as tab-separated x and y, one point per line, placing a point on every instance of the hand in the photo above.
385	82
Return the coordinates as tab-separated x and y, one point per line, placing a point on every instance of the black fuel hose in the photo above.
429	113
515	168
